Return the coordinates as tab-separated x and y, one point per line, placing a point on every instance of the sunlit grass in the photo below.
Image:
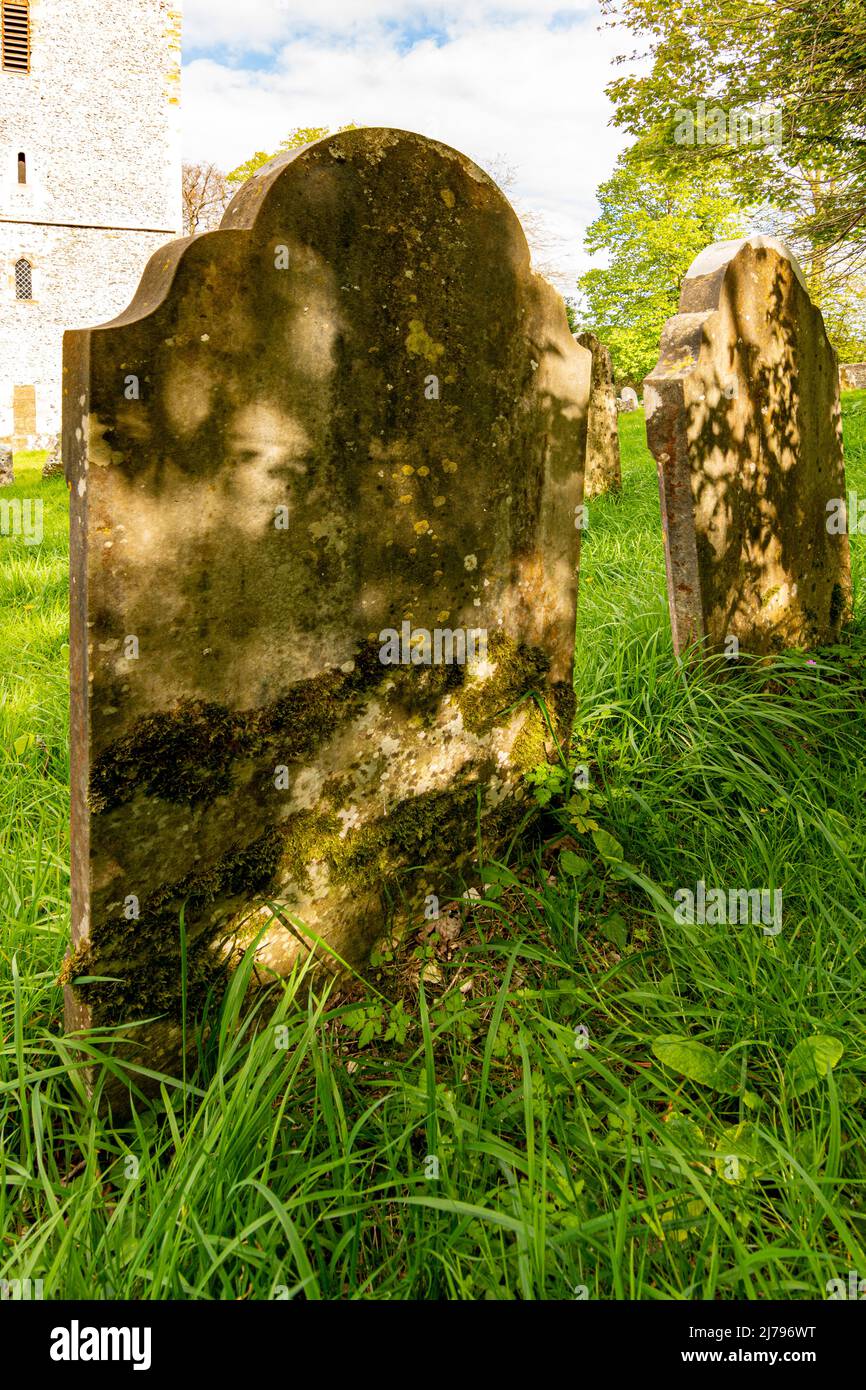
305	1164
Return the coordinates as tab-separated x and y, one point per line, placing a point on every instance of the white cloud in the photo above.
261	23
507	85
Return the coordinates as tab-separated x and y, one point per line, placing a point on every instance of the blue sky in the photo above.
516	85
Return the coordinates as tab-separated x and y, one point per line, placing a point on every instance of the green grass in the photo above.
299	1162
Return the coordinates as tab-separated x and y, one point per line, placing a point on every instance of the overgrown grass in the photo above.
492	1115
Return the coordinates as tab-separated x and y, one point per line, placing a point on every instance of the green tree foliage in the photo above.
302	135
651	226
802	60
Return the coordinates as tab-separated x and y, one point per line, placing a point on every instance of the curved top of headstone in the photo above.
718	256
311	179
723	270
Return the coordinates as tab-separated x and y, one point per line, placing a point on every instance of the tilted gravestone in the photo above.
7	473
603	472
743	419
325	476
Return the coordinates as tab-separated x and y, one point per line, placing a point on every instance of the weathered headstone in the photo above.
54	461
743	419
7	474
852	376
603	472
628	401
326	448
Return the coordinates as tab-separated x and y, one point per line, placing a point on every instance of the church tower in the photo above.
90	180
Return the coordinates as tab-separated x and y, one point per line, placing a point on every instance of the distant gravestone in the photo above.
603	472
7	475
628	401
852	376
326	478
54	462
743	419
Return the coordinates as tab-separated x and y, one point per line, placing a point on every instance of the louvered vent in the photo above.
15	36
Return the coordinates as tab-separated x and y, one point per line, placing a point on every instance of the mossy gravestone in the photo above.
325	475
743	419
603	472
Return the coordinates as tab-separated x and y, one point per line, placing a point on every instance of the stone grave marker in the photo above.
325	475
603	472
54	461
7	474
852	376
628	401
743	420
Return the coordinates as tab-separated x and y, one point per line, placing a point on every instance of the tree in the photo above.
205	197
301	135
651	226
781	88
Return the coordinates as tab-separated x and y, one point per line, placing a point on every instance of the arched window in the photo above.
15	28
22	167
23	279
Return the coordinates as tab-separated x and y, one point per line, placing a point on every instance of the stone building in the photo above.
90	180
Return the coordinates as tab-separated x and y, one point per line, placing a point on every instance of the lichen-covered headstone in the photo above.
852	376
7	474
325	473
743	419
603	473
54	461
628	401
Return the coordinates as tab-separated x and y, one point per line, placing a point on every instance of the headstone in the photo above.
54	462
7	475
603	473
852	376
743	419
628	401
326	474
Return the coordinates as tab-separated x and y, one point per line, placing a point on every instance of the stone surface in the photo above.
353	407
852	376
743	419
54	462
628	401
603	472
7	476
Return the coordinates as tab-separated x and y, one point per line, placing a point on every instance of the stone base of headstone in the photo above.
743	419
